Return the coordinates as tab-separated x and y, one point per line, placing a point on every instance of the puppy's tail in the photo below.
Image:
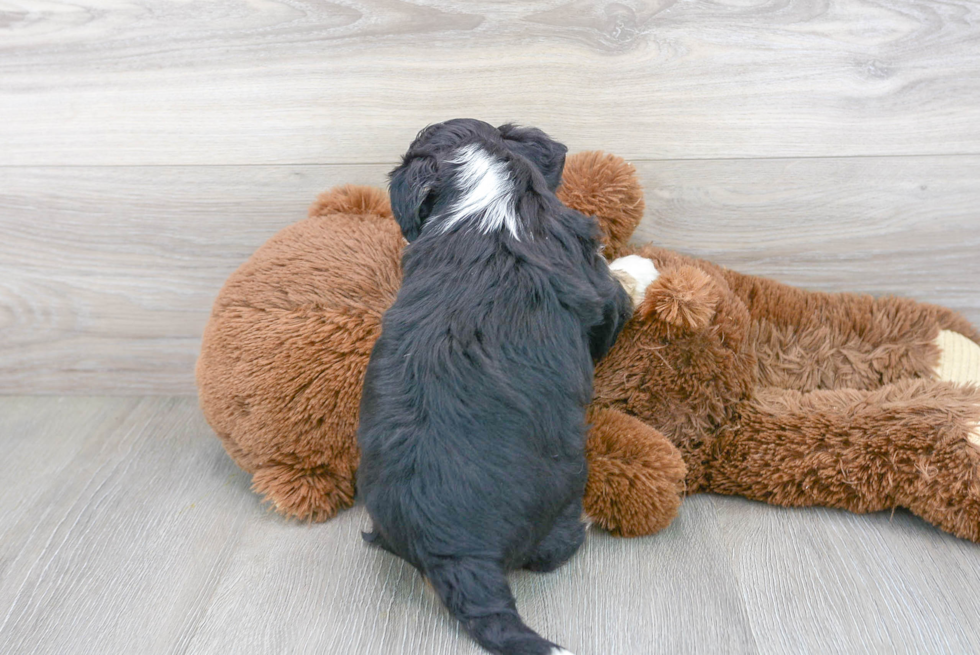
476	592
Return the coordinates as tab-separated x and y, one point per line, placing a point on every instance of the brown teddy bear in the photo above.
722	382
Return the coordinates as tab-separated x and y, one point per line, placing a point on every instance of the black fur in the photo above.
537	147
472	424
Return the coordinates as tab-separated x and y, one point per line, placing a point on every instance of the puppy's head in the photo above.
471	166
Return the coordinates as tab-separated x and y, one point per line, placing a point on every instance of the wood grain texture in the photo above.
907	226
106	553
107	274
127	529
817	580
291	81
148	147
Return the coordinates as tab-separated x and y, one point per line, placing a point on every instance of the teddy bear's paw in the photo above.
636	475
308	494
959	358
635	273
974	436
685	296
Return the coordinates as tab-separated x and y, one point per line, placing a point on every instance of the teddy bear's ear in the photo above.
604	186
684	296
410	189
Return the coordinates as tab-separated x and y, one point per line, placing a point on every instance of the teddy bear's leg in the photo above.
909	444
809	340
310	477
806	340
636	476
304	494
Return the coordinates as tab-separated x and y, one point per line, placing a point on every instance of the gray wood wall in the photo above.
147	148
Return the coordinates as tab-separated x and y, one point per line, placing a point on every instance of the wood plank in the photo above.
120	552
240	82
41	438
132	531
107	275
319	589
149	541
822	581
907	226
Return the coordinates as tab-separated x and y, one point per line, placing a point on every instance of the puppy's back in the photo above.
472	418
475	394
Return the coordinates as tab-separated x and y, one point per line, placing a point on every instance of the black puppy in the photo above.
472	428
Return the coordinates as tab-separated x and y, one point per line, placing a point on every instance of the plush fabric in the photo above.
722	382
283	355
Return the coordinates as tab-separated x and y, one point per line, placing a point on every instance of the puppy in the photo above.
472	429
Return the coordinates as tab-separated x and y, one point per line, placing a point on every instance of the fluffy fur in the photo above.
282	360
866	417
472	429
794	397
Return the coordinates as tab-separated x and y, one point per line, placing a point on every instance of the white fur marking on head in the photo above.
641	270
487	190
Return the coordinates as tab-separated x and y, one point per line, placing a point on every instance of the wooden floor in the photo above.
126	529
147	147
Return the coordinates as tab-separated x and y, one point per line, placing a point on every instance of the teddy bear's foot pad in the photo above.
959	359
974	437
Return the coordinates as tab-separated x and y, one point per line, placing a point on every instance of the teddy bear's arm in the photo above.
913	444
686	293
636	476
807	340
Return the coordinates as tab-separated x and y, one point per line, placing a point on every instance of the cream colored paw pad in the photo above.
974	437
959	358
635	273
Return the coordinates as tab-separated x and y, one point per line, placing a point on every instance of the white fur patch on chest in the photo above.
487	191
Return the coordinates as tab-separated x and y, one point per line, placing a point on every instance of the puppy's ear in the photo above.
541	150
410	188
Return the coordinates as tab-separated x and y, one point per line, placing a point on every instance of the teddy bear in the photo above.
722	382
